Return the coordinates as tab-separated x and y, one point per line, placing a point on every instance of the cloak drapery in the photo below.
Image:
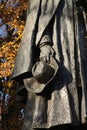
37	20
64	100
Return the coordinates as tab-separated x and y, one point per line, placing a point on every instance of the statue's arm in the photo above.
46	43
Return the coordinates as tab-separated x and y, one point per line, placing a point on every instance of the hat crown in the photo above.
42	71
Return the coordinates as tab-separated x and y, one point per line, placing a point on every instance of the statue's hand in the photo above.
45	52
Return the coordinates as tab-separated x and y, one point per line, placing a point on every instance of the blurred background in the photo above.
12	21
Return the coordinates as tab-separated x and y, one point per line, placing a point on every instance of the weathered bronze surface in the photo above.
55	28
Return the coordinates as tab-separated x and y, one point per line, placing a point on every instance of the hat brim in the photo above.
33	85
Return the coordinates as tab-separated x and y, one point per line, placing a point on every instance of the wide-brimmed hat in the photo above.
43	73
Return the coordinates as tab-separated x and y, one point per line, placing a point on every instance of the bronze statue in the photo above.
55	29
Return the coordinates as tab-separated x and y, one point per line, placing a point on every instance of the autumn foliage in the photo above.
12	21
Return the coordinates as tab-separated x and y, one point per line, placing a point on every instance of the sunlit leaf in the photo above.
11	13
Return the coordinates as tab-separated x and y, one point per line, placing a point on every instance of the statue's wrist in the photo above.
46	40
45	44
